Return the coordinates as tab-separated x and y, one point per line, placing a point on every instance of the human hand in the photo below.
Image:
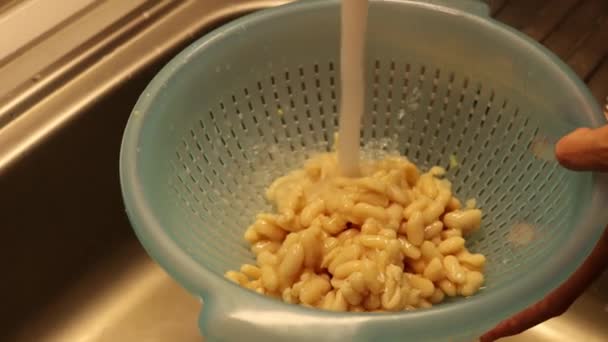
582	150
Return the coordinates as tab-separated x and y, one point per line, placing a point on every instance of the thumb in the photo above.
584	150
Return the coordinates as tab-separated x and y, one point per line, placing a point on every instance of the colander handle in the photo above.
478	7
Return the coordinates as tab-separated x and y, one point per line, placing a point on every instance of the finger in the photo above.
558	301
584	150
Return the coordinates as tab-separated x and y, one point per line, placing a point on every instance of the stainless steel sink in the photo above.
74	269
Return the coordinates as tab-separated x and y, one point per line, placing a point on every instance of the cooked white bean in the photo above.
265	245
313	250
374	241
448	233
471	203
287	296
347	268
251	271
364	210
437	171
251	235
448	287
474	260
436	240
373	198
430	251
393	250
371	184
382	259
425	286
415	229
371	276
292	263
473	282
413	297
352	297
433	229
352	252
339	303
424	304
348	234
371	227
467	220
270	279
453	204
314	289
453	270
357	282
427	186
290	240
267	258
237	277
408	249
389	233
270	231
395	212
451	245
391	298
431	213
311	211
416	206
397	195
372	302
434	270
418	265
437	296
334	224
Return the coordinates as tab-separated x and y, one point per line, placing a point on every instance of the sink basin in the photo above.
76	272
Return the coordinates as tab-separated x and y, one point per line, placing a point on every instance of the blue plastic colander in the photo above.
251	100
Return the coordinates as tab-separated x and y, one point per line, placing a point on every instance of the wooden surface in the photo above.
576	30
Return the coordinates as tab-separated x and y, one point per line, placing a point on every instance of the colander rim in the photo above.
204	282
